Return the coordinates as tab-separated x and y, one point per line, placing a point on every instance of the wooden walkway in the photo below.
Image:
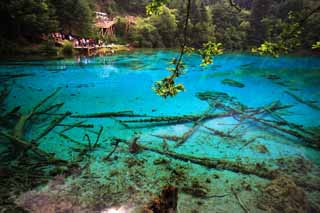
89	49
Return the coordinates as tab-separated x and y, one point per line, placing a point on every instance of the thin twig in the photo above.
243	206
98	137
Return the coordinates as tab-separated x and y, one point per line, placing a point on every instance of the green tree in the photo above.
26	18
75	16
166	25
156	30
260	9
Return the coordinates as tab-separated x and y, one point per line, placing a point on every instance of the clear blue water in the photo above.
123	82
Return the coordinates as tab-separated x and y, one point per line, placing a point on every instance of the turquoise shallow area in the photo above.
123	82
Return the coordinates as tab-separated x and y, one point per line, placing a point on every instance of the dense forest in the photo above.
240	27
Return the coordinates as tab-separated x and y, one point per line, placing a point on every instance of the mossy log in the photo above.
85	126
30	146
66	137
50	108
18	130
309	141
193	129
75	125
308	103
192	118
109	115
52	125
219	133
257	169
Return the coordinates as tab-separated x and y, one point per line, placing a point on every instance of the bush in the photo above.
67	48
8	47
49	48
120	27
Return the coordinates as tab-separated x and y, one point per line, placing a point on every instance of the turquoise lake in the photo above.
286	139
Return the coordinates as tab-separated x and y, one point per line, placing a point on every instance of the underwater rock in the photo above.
166	203
283	195
232	83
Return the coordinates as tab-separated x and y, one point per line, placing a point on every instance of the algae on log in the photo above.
232	83
308	103
194	128
27	145
109	115
52	125
18	130
257	169
191	118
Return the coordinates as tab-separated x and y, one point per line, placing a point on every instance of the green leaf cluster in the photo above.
155	7
209	50
167	87
267	48
282	43
316	45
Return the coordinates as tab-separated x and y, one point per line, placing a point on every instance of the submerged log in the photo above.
168	137
48	109
257	169
193	129
77	126
30	146
191	118
219	133
71	126
314	143
64	136
308	103
109	114
52	125
310	142
98	138
18	130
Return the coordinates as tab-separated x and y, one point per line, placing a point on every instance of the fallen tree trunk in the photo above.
52	125
308	103
193	129
257	169
109	114
310	142
30	146
18	130
190	118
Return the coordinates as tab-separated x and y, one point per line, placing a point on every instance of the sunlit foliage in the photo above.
155	7
284	42
316	45
208	51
